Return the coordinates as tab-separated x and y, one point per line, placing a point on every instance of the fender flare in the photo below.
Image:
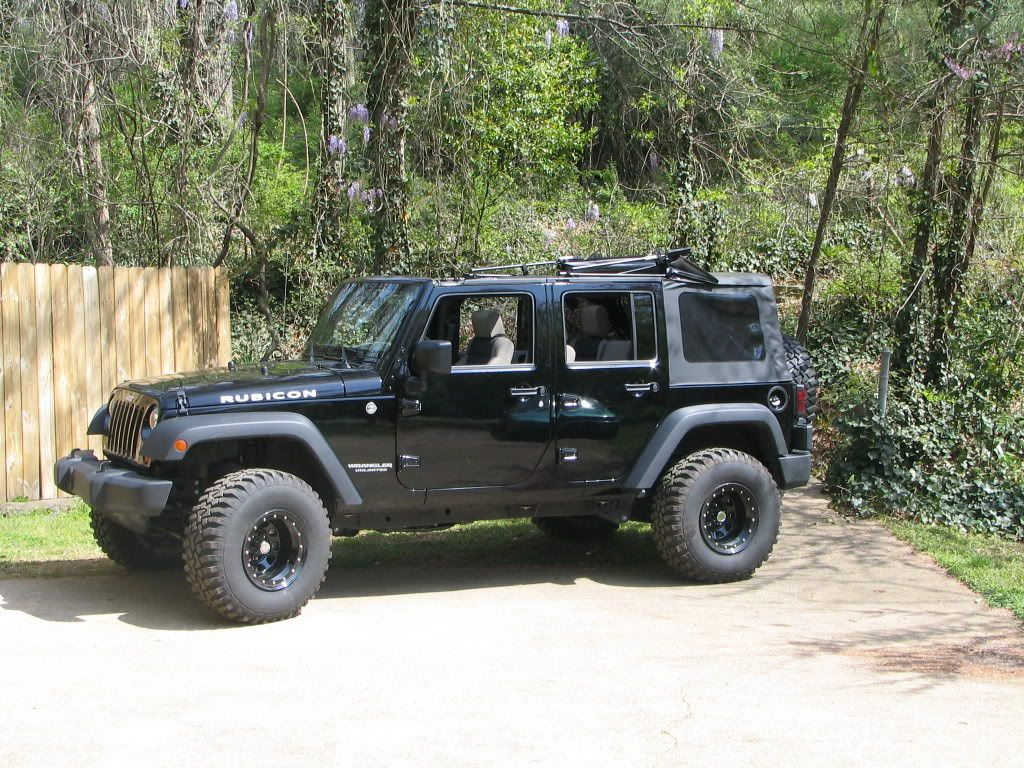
214	427
673	430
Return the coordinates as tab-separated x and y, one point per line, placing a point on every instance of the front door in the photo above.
488	422
612	383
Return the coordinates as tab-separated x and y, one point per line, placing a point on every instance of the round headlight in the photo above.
154	417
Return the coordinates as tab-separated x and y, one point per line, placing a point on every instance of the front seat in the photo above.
489	345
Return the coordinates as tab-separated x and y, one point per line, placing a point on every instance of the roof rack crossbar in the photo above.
673	263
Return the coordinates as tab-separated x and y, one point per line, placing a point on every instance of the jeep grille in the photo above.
128	411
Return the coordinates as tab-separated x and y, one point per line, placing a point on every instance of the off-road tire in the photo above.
799	361
678	504
215	538
576	527
133	550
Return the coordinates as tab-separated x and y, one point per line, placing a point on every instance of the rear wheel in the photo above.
257	546
576	527
716	515
133	550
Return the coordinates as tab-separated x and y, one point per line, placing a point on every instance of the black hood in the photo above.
285	381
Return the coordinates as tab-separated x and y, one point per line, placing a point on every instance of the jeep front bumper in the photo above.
128	496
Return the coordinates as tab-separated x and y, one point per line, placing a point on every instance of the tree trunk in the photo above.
390	28
907	329
925	214
950	262
871	27
335	79
81	50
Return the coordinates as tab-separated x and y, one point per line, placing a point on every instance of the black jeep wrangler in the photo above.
614	389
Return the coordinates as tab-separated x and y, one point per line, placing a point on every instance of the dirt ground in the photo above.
847	648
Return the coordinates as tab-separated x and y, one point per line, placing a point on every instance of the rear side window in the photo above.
720	328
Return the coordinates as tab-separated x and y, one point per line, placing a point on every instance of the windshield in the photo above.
362	322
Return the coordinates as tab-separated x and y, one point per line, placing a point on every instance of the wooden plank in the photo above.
212	342
197	316
77	357
95	394
108	336
166	313
9	308
151	315
44	376
122	325
137	322
62	395
29	382
183	357
223	316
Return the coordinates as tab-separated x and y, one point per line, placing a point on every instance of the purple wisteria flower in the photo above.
653	161
593	212
570	225
231	37
562	27
964	73
336	145
183	4
371	196
1010	47
231	10
353	190
548	38
366	134
359	113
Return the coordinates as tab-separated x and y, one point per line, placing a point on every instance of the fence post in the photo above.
883	381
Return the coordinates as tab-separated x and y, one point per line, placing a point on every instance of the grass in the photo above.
992	566
33	538
45	543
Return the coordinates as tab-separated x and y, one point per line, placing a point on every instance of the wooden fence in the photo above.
71	334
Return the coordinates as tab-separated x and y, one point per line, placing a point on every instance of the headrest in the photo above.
487	324
594	320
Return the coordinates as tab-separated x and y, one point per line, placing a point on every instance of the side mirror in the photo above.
432	358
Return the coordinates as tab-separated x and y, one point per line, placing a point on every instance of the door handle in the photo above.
641	388
527	391
411	407
569	402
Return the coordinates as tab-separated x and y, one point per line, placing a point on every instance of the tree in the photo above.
82	54
870	28
390	33
337	76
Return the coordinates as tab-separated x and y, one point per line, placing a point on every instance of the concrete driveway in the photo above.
846	649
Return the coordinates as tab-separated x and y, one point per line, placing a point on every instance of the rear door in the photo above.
612	382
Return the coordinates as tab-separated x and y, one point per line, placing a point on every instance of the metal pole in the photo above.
883	381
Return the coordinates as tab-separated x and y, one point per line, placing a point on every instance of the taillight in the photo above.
801	400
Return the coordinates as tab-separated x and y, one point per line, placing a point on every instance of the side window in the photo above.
609	327
720	328
485	329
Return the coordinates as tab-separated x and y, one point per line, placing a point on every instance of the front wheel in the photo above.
716	515
257	546
134	550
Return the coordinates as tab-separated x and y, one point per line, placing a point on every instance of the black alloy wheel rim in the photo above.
728	519
274	551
